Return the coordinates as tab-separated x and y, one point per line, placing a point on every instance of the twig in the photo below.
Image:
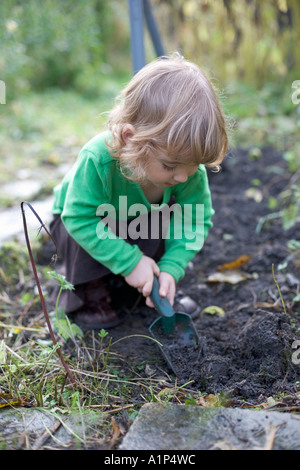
120	408
270	438
46	434
39	286
14	353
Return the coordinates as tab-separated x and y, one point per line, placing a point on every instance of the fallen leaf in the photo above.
116	432
209	400
237	263
273	305
214	310
8	400
233	276
265	304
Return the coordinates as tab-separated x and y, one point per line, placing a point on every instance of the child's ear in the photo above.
127	132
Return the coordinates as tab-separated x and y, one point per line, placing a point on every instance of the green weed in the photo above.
64	326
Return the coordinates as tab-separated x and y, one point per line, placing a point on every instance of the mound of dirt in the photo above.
244	355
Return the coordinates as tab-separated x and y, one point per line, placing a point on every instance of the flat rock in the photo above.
187	427
36	429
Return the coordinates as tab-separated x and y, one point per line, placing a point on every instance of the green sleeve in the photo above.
189	225
86	189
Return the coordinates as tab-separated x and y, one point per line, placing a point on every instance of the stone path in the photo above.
11	219
185	427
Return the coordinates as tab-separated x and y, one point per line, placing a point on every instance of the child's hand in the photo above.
167	288
141	276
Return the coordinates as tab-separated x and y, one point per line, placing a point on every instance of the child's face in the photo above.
162	171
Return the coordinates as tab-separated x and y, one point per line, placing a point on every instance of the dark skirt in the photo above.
80	268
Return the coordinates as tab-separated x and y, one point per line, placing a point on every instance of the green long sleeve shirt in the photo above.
95	184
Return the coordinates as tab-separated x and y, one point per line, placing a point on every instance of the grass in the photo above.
40	132
32	374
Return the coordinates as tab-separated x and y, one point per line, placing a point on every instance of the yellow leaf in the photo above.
214	310
8	400
10	403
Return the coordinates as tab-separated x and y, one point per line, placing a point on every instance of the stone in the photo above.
187	305
34	429
186	427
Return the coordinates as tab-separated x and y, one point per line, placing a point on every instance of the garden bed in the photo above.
249	345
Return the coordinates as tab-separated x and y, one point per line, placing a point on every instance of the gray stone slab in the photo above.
33	428
185	427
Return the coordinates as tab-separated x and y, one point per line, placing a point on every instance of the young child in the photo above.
167	126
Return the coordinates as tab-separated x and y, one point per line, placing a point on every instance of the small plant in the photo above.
62	323
102	334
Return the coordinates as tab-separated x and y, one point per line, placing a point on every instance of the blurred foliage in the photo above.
67	44
246	40
63	44
249	48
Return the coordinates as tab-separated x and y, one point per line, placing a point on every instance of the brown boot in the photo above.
98	315
98	310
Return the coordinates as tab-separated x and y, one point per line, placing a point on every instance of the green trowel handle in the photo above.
162	304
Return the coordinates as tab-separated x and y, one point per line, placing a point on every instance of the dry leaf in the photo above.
7	400
265	304
237	263
209	400
230	273
274	305
232	277
116	432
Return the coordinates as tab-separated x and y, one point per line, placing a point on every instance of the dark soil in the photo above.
247	352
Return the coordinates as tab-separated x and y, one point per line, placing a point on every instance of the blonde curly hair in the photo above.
173	108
